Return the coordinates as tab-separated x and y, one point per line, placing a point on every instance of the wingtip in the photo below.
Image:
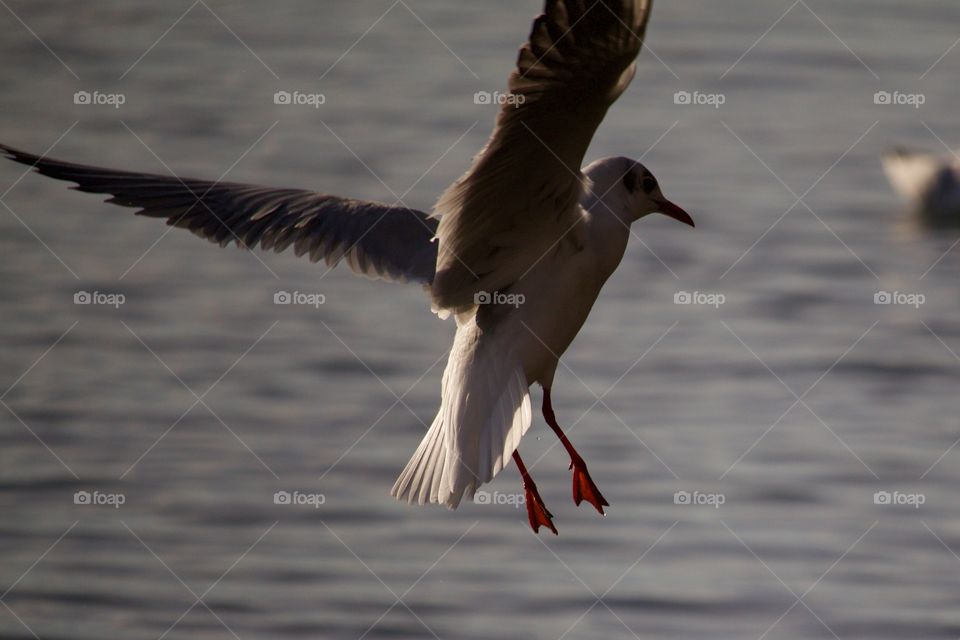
17	155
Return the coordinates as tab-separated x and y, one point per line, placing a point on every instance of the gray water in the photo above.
333	400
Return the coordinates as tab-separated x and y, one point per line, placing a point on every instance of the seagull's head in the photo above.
625	184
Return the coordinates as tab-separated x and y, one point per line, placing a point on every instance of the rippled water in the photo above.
796	400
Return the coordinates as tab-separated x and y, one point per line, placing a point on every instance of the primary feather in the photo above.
377	240
522	193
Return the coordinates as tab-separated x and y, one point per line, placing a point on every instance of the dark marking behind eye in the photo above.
630	181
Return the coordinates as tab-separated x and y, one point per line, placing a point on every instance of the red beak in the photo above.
667	208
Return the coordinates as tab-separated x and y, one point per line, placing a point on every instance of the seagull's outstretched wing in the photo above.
377	240
522	193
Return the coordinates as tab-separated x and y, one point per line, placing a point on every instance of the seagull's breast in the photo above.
549	304
557	298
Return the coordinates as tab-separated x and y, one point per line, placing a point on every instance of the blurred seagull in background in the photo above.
516	250
928	183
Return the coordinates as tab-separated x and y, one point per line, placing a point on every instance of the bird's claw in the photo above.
537	512
584	487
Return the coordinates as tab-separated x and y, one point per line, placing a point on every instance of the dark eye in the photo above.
649	184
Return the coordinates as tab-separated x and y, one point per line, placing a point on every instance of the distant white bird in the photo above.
928	183
524	243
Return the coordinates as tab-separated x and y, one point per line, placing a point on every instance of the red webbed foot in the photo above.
584	487
537	512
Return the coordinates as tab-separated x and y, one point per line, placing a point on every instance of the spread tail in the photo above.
484	413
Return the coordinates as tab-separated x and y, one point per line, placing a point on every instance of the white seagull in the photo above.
524	224
928	183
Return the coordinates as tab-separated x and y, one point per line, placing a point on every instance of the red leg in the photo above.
583	486
536	511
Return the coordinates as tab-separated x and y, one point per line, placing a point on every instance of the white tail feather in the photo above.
484	413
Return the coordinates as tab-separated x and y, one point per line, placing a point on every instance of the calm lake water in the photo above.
792	403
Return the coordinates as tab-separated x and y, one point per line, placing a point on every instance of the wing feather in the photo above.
522	193
376	240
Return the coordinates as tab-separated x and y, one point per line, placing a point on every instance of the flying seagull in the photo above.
516	250
929	183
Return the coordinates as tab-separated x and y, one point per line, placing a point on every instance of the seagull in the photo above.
929	183
516	250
